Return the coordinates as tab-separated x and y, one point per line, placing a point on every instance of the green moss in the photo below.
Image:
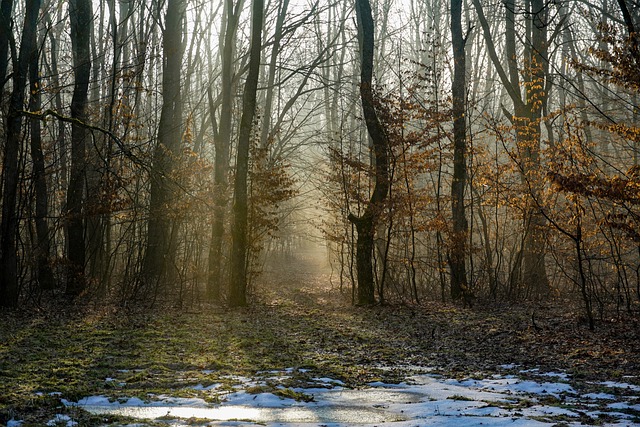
460	397
287	393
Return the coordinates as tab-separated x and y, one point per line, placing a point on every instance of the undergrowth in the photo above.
58	354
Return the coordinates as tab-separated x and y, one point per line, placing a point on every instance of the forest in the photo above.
439	168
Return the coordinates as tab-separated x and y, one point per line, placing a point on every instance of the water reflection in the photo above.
341	414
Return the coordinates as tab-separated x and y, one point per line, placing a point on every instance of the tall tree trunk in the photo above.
6	8
534	268
158	257
365	224
222	146
238	284
275	51
81	16
9	286
43	252
460	227
62	176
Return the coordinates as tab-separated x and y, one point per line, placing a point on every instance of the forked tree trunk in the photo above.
366	223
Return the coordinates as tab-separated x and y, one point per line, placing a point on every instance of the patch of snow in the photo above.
261	400
560	375
61	418
200	387
509	366
546	411
91	400
326	380
424	400
517	386
240	380
292	370
381	384
599	396
611	414
14	423
624	406
614	384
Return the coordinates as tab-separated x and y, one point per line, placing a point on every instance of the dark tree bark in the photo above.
52	70
43	251
238	284
5	35
158	257
9	286
626	16
460	227
81	16
366	223
222	146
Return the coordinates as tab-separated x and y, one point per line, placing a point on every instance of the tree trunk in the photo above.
238	284
535	271
9	286
457	255
221	162
268	105
365	224
6	8
158	257
43	251
81	16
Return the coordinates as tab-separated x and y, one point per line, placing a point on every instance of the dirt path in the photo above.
303	279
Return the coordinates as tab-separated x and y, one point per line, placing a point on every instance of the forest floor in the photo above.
299	324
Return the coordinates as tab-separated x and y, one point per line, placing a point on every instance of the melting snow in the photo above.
423	400
62	419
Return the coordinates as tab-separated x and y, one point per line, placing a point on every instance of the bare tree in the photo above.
9	285
43	234
366	223
158	258
238	284
222	148
457	255
81	16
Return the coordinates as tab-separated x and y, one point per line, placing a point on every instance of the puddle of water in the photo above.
370	396
320	414
342	406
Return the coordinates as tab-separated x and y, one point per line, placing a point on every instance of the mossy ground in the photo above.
295	321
